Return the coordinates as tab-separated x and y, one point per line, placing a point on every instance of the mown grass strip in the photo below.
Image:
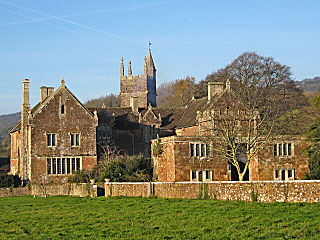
151	218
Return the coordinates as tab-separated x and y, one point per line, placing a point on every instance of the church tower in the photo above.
139	90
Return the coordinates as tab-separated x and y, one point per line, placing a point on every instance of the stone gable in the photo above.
50	126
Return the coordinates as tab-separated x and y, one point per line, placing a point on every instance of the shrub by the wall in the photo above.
9	181
82	176
116	171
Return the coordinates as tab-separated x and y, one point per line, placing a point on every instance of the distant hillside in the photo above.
7	122
309	84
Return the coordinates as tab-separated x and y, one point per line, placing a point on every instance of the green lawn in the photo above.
151	218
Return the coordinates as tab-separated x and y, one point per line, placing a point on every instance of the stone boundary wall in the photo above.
67	189
129	189
14	192
262	191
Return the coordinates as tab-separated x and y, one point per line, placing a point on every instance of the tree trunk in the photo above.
241	175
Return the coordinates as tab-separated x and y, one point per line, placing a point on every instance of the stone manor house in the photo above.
59	135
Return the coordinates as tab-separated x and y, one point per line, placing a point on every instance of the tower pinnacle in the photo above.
129	69
145	65
121	68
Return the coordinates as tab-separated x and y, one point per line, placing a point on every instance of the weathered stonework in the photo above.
174	161
52	189
264	165
181	158
142	87
14	192
139	127
60	114
261	191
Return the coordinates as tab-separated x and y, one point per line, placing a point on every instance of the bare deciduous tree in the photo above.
177	93
244	120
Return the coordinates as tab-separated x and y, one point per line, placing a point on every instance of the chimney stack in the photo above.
45	92
214	88
25	92
25	111
134	104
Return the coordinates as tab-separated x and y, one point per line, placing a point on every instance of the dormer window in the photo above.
62	109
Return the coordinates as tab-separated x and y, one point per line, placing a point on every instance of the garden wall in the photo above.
67	189
13	192
263	191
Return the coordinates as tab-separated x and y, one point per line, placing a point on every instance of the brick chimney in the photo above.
214	88
45	92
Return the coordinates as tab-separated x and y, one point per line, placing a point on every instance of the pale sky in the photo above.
83	41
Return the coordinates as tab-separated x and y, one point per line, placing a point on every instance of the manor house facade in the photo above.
59	135
189	155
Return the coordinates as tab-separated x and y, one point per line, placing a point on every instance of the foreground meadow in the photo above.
151	218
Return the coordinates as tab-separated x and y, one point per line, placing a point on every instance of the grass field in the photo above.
151	218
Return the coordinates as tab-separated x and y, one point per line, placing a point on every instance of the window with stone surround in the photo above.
201	175
284	174
283	149
51	139
75	139
199	149
63	165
